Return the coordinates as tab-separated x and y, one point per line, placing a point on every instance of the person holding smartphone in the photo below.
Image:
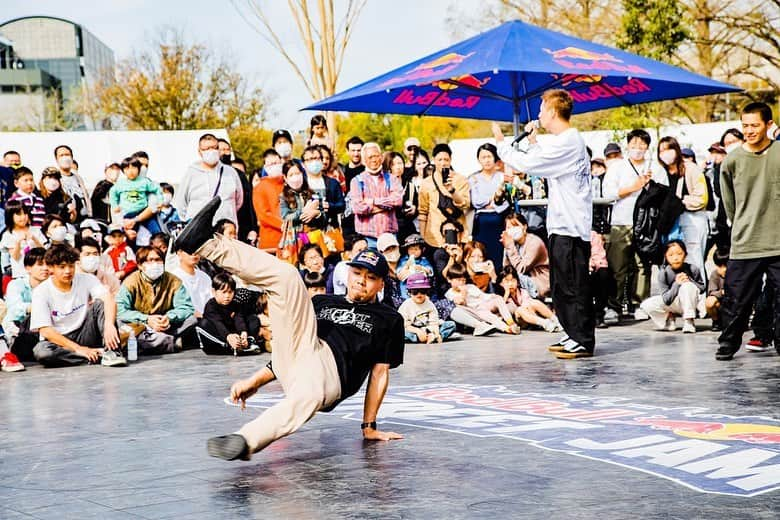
444	196
562	159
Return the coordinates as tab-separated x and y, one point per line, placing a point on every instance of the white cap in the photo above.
386	241
411	141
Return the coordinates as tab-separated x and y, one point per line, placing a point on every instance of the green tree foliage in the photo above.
653	28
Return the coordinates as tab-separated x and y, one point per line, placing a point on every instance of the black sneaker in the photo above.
200	229
573	351
725	352
228	447
716	326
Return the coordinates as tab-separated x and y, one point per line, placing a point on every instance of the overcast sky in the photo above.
388	34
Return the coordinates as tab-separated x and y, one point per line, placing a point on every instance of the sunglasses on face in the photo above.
418	291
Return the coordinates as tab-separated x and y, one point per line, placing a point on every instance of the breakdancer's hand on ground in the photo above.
370	434
242	390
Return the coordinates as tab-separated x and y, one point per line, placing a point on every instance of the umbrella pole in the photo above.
515	106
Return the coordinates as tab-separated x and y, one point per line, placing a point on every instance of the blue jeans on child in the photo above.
152	224
446	328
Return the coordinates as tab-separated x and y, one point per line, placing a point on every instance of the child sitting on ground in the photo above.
413	261
481	305
315	283
421	319
681	291
715	289
223	327
526	309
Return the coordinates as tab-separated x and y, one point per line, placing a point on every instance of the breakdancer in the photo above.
324	349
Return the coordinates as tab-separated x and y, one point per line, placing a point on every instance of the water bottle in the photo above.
132	347
537	188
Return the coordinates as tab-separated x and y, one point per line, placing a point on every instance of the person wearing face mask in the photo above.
326	188
55	200
265	198
143	158
206	179
300	210
100	206
687	182
92	262
527	254
157	306
374	197
168	214
72	183
623	183
55	229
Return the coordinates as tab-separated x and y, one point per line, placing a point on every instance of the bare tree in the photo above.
323	34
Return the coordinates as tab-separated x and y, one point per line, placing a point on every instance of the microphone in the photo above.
524	133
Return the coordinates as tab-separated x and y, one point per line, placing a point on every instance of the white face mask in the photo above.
65	162
314	167
295	181
58	234
51	184
733	146
393	256
284	149
516	233
636	154
167	198
89	264
210	157
154	270
143	171
274	170
668	157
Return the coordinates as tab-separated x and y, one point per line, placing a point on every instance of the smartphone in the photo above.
450	236
445	175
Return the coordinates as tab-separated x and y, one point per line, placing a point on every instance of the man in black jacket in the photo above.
323	349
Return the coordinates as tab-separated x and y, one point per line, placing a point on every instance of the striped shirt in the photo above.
368	193
34	203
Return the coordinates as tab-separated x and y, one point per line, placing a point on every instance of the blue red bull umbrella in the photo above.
501	74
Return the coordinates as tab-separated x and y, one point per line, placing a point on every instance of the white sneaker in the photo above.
548	325
485	330
611	317
671	325
112	358
455	336
689	327
640	314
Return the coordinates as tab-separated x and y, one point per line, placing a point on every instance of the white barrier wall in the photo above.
699	137
170	152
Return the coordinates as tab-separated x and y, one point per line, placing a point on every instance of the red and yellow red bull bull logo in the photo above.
708	453
574	58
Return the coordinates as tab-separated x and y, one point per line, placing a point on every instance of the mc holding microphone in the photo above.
524	134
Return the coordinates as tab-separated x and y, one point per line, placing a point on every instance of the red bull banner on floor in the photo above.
693	447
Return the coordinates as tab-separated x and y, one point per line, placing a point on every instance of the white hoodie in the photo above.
563	160
198	187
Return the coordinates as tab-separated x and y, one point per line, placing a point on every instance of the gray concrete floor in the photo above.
94	442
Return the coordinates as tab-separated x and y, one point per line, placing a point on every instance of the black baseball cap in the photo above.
372	260
279	134
611	148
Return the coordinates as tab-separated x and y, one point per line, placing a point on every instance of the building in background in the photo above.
43	62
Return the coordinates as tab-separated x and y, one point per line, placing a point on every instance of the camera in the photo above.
450	237
445	175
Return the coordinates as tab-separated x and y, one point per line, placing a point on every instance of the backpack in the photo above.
647	216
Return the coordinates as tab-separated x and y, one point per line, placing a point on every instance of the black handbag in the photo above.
446	205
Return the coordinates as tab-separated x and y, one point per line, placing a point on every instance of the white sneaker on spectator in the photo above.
640	314
485	330
548	325
455	336
112	358
671	324
688	326
611	317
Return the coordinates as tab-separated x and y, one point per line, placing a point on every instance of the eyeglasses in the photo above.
418	291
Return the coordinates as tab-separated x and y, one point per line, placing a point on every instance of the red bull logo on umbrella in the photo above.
708	453
574	58
429	69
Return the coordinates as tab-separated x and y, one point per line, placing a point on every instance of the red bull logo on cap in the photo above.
575	58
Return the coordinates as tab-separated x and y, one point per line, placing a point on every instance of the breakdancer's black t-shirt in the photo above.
360	336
